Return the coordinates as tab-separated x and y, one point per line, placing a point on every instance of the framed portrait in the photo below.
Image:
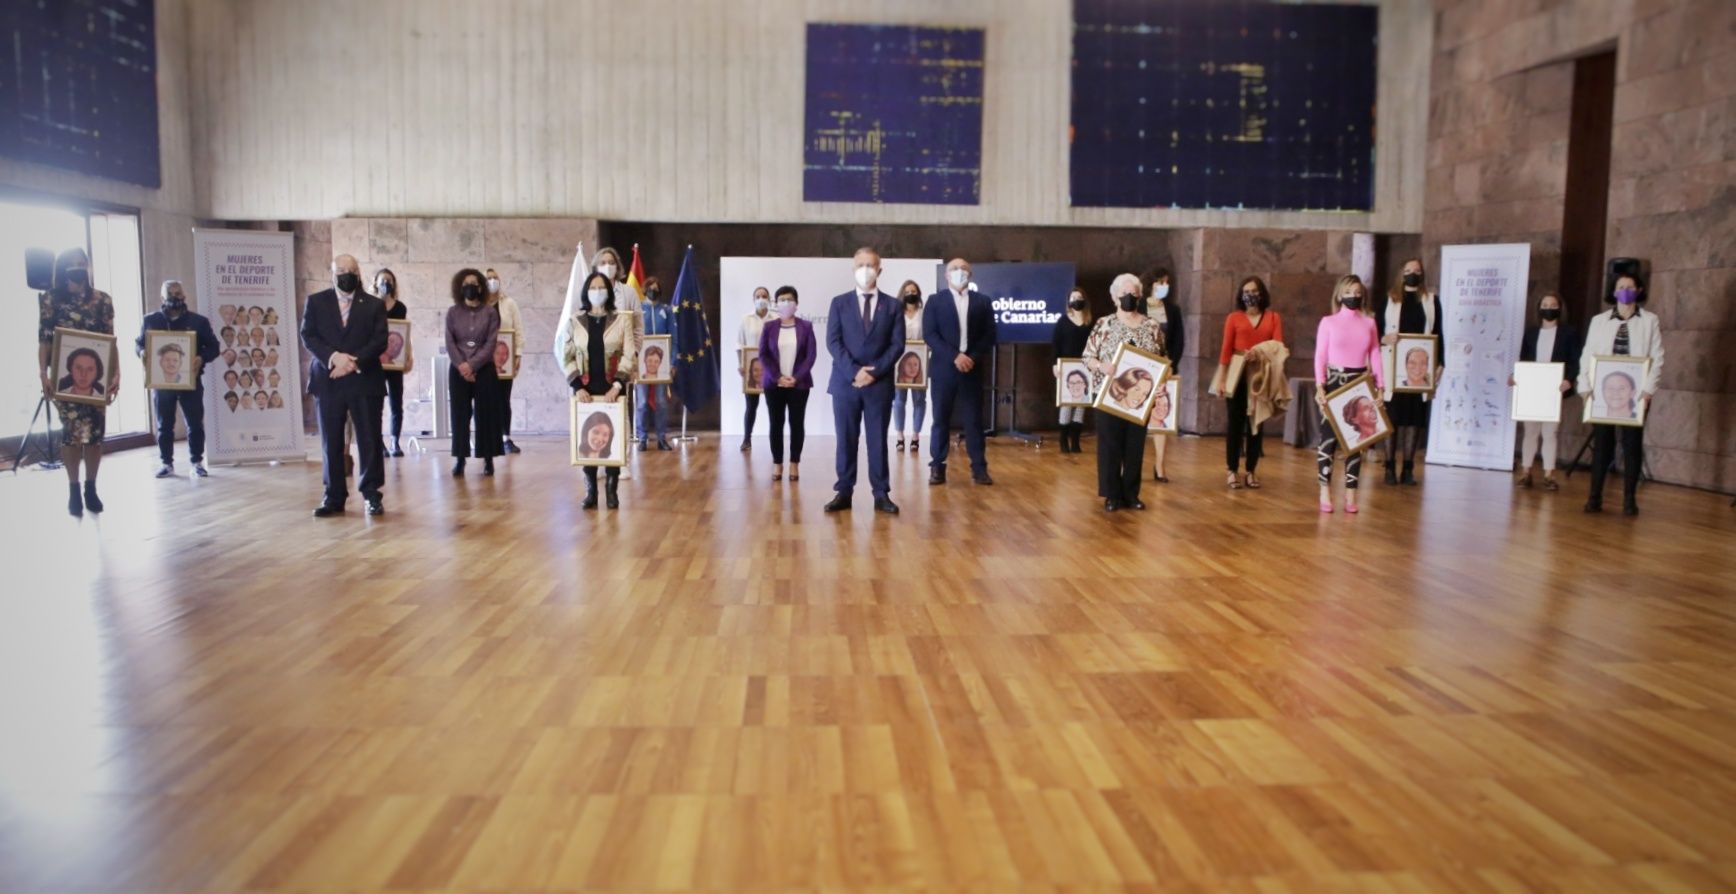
654	360
397	345
1414	360
599	432
1537	391
505	361
83	364
1130	393
1358	417
1073	383
1166	407
750	371
1616	382
169	360
911	371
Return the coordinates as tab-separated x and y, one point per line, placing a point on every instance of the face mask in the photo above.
1250	300
349	282
1549	314
78	276
607	270
1077	304
866	276
1352	302
760	305
1129	303
384	287
175	303
1413	280
958	278
654	295
1626	296
493	285
472	292
912	299
1160	291
598	297
787	309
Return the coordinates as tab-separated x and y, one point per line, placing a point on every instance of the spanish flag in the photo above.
636	278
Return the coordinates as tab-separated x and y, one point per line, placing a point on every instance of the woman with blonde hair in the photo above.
1411	309
1345	346
1120	443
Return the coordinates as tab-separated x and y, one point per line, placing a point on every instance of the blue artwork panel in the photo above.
78	86
1203	104
894	114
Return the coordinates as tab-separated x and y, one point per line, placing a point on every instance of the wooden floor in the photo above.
1465	688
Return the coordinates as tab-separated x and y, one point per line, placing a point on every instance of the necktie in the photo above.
344	310
867	312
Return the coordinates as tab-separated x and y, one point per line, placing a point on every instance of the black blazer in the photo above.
323	332
1174	327
1567	347
940	333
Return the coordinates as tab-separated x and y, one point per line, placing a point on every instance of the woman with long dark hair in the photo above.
472	325
1252	323
599	351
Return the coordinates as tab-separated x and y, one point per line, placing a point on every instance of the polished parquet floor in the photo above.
1465	688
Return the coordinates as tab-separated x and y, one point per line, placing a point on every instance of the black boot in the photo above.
458	467
1409	475
1391	476
590	491
1071	436
90	499
74	500
488	465
611	490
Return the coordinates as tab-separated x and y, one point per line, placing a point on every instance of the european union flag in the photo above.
696	361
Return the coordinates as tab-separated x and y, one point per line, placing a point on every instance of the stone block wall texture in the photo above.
1500	95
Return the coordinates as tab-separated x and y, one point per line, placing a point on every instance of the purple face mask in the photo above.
1626	296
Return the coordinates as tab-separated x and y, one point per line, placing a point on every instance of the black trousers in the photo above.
963	391
505	386
363	414
395	401
1633	455
1120	456
192	405
482	398
794	403
1243	435
748	417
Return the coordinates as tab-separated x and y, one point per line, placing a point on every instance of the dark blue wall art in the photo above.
894	114
78	86
1232	104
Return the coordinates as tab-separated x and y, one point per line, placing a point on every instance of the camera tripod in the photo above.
49	460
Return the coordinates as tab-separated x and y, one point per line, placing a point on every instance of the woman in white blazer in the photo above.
599	352
1627	329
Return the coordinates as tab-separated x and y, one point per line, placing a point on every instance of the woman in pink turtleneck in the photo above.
1345	347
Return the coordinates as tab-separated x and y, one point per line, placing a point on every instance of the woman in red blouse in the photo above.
1253	323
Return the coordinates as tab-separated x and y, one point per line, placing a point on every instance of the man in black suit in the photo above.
959	326
344	328
865	334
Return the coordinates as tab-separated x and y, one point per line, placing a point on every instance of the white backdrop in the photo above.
1483	301
817	281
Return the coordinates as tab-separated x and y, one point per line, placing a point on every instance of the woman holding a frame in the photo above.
1619	338
74	303
1346	347
1120	442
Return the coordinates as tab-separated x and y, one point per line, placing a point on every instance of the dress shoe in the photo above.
982	479
937	475
375	507
1408	476
663	444
74	501
90	499
396	449
885	504
1136	504
839	502
458	468
328	509
165	470
746	445
511	447
1630	508
1391	476
1594	506
199	469
644	445
488	466
1111	506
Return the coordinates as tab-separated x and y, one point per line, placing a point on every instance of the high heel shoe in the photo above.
777	473
1351	508
915	445
1234	482
795	474
1325	507
900	447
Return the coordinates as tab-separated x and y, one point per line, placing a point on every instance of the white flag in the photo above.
564	331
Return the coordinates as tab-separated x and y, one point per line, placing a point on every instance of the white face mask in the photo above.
866	277
598	297
958	277
1160	291
786	309
493	285
760	305
607	270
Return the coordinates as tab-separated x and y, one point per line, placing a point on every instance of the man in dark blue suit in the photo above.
865	333
959	326
344	328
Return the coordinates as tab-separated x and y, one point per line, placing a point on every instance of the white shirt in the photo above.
1644	340
961	300
786	350
1545	344
913	326
751	327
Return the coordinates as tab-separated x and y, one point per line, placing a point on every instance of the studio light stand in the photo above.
49	461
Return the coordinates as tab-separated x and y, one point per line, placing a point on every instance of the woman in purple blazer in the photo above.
786	353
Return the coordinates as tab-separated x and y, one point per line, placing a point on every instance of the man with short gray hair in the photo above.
344	328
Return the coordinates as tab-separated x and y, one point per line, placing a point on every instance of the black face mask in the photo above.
349	282
471	292
1549	314
1413	280
1354	302
78	276
1250	300
913	299
174	304
1128	303
385	287
1077	304
655	295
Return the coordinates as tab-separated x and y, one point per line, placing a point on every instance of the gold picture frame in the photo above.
159	344
505	338
1170	422
1399	369
391	363
583	420
1069	367
1607	373
1344	400
750	383
69	344
1139	367
663	344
